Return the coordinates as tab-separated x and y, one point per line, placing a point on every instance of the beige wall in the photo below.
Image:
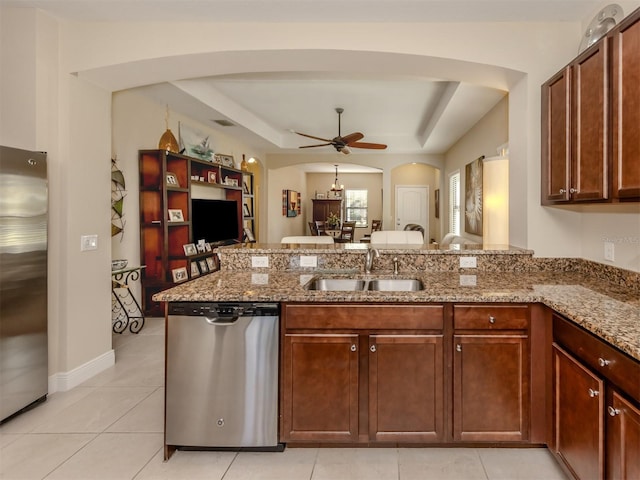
277	224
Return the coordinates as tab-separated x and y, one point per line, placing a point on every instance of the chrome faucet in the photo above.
368	260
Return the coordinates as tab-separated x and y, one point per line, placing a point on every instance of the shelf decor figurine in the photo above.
167	141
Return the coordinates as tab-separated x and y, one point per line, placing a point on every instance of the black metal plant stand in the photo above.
125	309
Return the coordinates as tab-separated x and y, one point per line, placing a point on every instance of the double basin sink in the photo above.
360	284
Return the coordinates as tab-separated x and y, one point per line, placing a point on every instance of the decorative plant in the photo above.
333	221
118	193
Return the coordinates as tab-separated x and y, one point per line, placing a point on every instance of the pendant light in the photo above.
336	187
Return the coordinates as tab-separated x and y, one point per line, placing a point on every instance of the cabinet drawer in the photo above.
490	317
622	370
387	317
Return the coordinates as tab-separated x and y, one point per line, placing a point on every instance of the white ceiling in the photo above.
409	114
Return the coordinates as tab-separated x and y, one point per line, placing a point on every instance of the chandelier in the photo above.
335	186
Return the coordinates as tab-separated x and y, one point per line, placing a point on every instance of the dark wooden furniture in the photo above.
322	208
162	241
248	207
362	373
347	233
490	373
596	405
590	117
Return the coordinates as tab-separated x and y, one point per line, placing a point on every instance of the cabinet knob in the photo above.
613	411
372	348
492	319
603	362
593	393
562	191
573	190
458	348
353	348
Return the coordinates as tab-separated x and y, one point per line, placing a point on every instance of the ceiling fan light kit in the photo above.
340	143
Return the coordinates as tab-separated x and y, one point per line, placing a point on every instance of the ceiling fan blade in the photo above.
352	137
311	136
375	146
319	145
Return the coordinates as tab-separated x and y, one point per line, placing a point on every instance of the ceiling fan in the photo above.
343	144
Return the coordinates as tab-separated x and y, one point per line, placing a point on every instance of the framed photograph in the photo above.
211	263
248	235
172	180
211	176
200	247
175	215
190	249
194	143
179	274
245	209
207	247
195	271
203	266
473	197
437	202
245	188
320	196
224	160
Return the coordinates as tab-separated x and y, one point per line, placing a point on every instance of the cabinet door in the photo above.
406	388
578	412
490	387
556	135
320	388
590	147
623	439
626	109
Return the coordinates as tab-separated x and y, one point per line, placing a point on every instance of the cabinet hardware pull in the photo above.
458	348
353	348
372	348
603	362
613	411
593	393
492	319
573	190
562	191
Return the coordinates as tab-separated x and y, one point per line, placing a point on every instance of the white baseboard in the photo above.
63	381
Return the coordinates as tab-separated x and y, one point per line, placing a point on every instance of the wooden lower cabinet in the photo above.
623	438
490	387
579	416
320	388
406	380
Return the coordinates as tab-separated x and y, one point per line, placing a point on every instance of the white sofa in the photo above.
308	239
452	238
397	237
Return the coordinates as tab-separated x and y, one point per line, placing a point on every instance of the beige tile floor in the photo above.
111	428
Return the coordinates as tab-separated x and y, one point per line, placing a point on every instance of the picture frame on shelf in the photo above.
207	247
189	249
172	180
211	263
203	266
194	143
195	271
245	210
175	215
245	188
224	160
179	274
211	176
248	234
320	196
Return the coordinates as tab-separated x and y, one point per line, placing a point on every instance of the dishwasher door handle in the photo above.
221	321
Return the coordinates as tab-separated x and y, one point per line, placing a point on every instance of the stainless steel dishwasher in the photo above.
222	375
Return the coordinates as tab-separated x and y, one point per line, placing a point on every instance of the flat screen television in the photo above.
214	220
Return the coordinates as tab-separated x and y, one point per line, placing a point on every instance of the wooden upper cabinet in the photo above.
626	108
575	130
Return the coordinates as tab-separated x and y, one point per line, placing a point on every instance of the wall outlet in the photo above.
468	262
468	280
88	242
259	278
609	251
259	261
308	261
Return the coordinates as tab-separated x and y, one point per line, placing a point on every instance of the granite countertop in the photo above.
610	311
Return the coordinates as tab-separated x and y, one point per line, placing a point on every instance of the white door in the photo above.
412	206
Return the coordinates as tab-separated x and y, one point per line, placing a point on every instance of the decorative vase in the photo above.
244	166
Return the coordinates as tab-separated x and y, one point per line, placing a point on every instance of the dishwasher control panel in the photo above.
224	309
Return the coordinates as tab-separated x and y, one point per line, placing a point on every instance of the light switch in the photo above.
609	251
88	242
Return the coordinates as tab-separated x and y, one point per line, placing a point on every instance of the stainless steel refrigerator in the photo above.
23	279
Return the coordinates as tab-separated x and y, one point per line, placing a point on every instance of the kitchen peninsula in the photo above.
489	354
